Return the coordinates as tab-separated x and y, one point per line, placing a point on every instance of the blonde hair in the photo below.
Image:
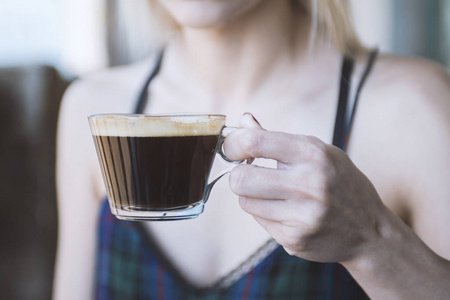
331	20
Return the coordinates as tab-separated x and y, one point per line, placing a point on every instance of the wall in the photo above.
63	33
72	35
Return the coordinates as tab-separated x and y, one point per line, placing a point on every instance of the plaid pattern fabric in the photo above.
128	268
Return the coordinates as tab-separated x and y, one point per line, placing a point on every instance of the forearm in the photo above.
400	266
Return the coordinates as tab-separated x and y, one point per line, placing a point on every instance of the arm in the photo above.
320	207
413	264
78	200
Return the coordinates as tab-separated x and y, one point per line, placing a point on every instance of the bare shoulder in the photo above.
402	93
402	128
109	89
79	183
407	96
112	90
419	78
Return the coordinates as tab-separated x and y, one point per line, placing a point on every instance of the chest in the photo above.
208	248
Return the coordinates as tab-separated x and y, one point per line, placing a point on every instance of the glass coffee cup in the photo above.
157	168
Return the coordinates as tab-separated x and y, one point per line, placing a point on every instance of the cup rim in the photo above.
155	116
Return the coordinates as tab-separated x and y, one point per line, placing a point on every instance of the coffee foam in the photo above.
148	126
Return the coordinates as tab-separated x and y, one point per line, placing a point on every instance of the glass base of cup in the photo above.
139	214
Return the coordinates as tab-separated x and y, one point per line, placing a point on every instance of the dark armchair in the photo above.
29	104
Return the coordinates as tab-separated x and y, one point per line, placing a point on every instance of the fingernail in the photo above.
247	113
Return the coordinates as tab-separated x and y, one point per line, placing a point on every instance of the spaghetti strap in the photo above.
344	120
142	98
340	130
372	56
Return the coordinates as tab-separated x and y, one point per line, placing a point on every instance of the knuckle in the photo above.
290	251
238	179
244	203
323	184
250	141
310	222
249	205
293	240
312	139
299	187
319	213
317	150
314	227
323	159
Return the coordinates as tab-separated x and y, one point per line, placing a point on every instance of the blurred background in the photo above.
46	44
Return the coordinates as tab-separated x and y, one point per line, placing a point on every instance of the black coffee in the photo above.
147	173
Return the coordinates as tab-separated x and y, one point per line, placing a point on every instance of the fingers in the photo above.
259	182
245	143
249	121
253	141
269	210
292	213
274	195
292	239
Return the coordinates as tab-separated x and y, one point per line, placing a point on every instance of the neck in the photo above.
239	58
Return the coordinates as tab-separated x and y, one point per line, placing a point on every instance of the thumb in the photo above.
249	121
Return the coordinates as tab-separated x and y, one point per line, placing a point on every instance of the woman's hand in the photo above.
316	203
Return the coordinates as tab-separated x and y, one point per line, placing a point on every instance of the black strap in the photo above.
142	98
371	60
339	135
344	122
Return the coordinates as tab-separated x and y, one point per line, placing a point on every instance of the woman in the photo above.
284	62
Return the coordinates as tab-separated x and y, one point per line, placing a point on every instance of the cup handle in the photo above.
226	130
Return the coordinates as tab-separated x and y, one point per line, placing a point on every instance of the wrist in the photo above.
385	235
396	263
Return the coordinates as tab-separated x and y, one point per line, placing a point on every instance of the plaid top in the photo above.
129	267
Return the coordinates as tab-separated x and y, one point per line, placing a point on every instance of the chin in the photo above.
207	13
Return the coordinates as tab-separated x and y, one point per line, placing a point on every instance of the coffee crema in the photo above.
146	126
